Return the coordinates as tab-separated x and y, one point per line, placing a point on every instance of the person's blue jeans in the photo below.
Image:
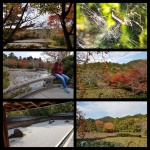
63	78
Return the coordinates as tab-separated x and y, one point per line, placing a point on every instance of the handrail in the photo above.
26	83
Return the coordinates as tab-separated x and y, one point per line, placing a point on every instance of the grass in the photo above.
129	141
109	93
115	142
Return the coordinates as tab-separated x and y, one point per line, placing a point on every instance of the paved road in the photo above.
42	134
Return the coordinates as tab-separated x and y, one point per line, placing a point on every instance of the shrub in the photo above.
98	144
127	135
30	66
59	40
5	78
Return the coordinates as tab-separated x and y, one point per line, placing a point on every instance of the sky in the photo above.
32	14
119	57
35	54
96	110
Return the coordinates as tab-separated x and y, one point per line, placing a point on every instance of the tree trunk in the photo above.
16	28
66	34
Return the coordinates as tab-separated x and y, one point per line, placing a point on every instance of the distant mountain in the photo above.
109	119
106	119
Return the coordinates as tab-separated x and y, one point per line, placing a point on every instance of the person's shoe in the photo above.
67	91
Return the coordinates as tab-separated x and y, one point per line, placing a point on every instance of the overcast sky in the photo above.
119	56
96	110
35	54
32	14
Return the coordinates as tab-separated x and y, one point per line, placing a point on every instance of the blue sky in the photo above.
96	110
119	56
125	57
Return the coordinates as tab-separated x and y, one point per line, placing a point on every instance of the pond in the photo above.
21	76
29	43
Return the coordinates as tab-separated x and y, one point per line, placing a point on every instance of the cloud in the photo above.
113	109
116	57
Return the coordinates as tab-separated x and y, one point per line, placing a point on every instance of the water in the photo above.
22	76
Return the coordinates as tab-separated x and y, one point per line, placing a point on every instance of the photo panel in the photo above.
111	25
111	74
111	124
38	74
38	25
38	123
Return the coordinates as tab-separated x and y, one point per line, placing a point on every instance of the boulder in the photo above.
17	133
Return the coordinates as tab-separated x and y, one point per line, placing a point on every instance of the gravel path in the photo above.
42	134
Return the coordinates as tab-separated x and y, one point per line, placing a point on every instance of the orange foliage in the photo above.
99	123
109	126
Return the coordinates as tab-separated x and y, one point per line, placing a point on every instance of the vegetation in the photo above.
127	131
111	25
12	61
110	80
14	14
69	65
18	23
5	78
115	142
44	111
125	124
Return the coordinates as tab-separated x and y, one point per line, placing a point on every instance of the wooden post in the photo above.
5	130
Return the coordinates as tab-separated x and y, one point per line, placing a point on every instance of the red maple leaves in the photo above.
135	80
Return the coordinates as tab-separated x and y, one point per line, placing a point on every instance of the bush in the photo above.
98	144
59	40
19	65
68	65
144	129
30	66
127	135
5	78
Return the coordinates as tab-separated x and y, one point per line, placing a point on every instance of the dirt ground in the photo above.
102	135
97	135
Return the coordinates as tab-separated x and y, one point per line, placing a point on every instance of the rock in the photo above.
17	133
67	121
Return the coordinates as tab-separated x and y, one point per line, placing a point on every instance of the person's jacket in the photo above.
58	68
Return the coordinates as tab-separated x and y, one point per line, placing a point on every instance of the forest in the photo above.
111	25
38	25
110	80
127	131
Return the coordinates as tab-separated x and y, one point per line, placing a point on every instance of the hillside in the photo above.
134	123
111	119
106	119
113	80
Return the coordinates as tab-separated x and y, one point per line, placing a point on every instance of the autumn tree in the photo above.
80	123
109	127
16	17
53	55
99	125
60	14
90	125
83	58
12	63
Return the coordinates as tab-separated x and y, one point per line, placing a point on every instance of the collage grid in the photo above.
82	97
